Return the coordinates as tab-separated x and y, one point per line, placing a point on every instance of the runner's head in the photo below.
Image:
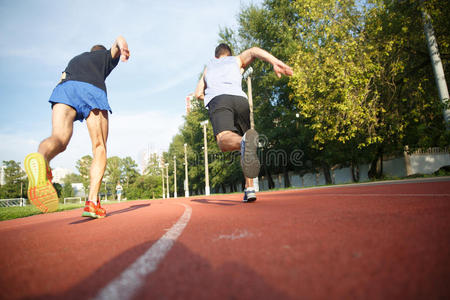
223	50
97	47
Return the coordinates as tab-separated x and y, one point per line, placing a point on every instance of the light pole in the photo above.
167	180
106	191
162	179
204	123
247	75
174	176
186	181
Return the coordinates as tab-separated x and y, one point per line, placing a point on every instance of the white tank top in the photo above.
223	76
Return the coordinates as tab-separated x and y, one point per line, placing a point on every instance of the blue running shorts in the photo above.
81	96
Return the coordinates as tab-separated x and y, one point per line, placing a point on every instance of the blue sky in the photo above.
170	41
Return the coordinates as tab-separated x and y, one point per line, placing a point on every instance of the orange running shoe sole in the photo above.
41	192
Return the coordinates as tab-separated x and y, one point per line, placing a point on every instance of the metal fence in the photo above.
72	200
13	202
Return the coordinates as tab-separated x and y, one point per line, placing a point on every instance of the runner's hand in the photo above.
123	47
281	68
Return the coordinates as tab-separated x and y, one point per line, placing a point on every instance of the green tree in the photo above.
153	166
15	181
113	173
145	187
333	83
59	190
409	110
67	190
13	172
129	170
83	166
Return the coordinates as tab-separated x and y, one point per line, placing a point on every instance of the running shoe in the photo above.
249	195
93	211
100	212
89	209
249	155
41	192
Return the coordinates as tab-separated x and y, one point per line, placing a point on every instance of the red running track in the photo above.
375	241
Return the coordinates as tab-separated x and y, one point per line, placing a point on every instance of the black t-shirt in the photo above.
91	67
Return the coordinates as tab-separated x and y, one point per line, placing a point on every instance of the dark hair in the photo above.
97	47
223	49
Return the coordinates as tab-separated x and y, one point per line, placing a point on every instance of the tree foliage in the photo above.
15	181
362	88
83	166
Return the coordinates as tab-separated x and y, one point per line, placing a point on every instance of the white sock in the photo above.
94	201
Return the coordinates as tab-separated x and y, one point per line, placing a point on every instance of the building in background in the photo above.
59	174
2	175
78	190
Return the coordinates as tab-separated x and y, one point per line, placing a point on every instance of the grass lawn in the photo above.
14	212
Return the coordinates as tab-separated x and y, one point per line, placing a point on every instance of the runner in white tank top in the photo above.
220	88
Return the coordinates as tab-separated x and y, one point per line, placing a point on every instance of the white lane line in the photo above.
127	284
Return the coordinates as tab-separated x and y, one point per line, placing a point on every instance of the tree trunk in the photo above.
326	173
287	182
270	182
376	166
355	171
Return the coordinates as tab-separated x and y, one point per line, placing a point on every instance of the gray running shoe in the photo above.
249	195
249	155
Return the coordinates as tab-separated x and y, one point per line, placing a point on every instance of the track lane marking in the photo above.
127	284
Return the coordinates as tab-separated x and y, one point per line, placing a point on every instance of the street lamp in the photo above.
174	176
162	179
186	181
204	123
106	190
247	75
167	180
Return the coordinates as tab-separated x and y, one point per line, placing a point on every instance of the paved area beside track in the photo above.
372	241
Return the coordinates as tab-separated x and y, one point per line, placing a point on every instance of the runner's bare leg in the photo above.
62	128
97	123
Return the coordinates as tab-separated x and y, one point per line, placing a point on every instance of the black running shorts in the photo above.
229	112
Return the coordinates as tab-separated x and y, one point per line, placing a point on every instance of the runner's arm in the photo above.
201	86
120	47
246	58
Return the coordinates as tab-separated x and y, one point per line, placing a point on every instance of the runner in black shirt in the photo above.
81	94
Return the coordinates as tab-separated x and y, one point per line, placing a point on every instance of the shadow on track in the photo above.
217	202
128	209
181	275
